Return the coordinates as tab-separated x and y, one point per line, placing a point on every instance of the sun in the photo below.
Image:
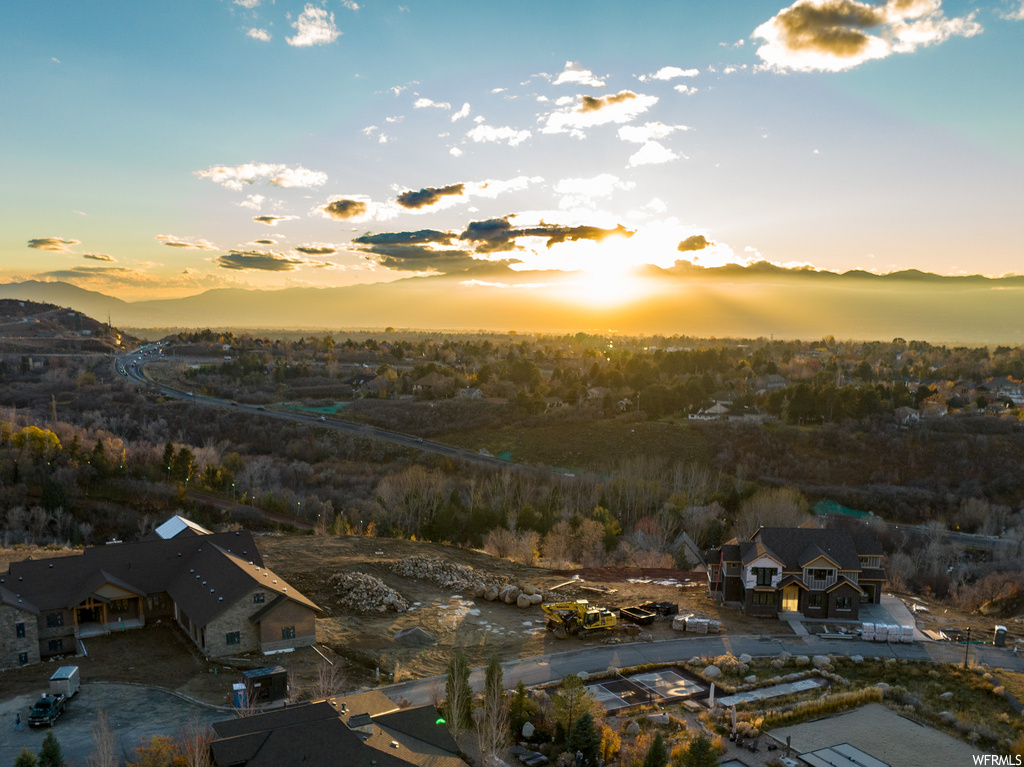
608	275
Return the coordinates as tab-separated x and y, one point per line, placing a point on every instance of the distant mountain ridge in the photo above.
733	300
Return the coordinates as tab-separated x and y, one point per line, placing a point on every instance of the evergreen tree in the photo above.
570	702
519	710
51	754
657	754
700	753
168	456
458	693
585	739
25	759
98	459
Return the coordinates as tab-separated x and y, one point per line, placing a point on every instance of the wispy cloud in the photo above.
669	73
259	260
98	257
592	111
1015	14
187	243
272	220
463	112
54	244
639	134
250	4
575	74
259	34
315	26
425	103
581	191
489	134
316	249
237	176
836	35
252	201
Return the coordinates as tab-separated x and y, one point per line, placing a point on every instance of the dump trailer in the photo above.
580	619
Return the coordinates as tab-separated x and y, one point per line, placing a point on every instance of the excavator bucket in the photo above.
560	633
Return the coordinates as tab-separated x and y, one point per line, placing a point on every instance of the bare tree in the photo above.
194	743
104	752
328	680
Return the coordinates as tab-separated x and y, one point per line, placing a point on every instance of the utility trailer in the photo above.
65	681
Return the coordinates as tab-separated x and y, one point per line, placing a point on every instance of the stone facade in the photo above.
18	650
235	618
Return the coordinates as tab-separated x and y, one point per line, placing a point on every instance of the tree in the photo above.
25	759
520	710
570	702
51	754
585	739
657	754
458	694
157	751
700	753
103	753
494	731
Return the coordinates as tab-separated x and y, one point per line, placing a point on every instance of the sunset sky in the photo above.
162	149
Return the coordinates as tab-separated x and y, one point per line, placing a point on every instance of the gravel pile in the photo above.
447	574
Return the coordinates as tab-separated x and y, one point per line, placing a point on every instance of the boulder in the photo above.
509	594
802	660
884	688
632	729
821	661
584	676
712	672
528	730
523	601
784	657
659	718
536	599
946	696
778	663
752	679
529	590
857	658
491	593
478	590
745	658
694	661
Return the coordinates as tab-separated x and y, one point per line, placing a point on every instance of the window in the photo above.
814	600
56	645
54	620
764	575
23	659
233	637
19	630
288	632
764	597
844	603
820	574
259	598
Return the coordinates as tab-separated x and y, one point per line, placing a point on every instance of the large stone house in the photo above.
818	573
213	586
360	730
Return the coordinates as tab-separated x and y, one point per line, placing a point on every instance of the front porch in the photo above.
95	629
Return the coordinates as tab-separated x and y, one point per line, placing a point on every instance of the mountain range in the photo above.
735	301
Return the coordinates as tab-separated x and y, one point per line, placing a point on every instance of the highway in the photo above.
130	367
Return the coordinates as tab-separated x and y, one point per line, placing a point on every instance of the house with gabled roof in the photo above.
360	730
820	573
214	586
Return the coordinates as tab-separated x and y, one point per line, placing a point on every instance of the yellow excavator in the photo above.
580	619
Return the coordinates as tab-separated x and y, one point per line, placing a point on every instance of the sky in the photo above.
152	150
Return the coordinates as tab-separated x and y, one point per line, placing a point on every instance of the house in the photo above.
433	383
214	586
357	730
821	573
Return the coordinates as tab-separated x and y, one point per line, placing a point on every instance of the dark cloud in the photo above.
498	234
98	257
272	220
259	260
596	103
345	209
55	244
406	238
834	27
265	242
428	196
694	242
316	250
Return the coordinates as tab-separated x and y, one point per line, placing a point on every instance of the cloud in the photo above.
250	4
316	249
124	279
836	35
259	34
670	73
259	260
580	191
188	243
463	112
252	201
455	152
424	103
686	90
651	153
98	257
54	244
235	177
420	251
343	209
641	134
1017	14
429	196
315	26
483	134
264	242
498	234
694	242
591	111
576	74
352	6
272	220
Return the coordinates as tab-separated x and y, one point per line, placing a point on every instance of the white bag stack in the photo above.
697	625
679	623
881	632
906	634
867	632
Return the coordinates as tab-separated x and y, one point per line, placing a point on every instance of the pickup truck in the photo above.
46	710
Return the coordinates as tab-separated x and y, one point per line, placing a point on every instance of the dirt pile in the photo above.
448	574
365	593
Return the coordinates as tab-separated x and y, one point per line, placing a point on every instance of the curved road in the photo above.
129	366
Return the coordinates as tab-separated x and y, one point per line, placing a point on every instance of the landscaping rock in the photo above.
659	718
777	663
946	696
857	658
632	729
947	718
694	661
528	730
491	593
584	676
821	661
802	660
884	688
784	657
712	672
752	679
529	590
447	574
366	593
523	601
509	594
536	599
745	658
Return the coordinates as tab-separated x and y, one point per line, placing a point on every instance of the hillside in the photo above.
45	328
